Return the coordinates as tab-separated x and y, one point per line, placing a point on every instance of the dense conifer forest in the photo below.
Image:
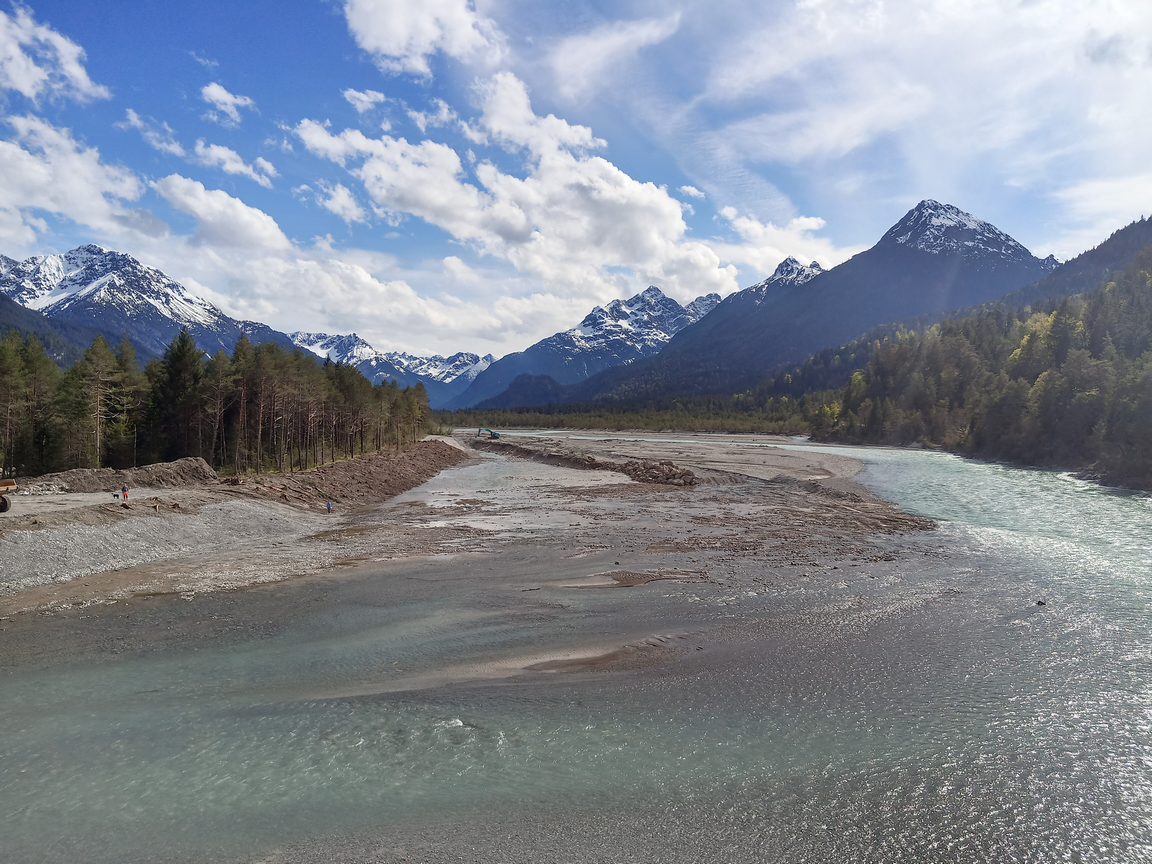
262	408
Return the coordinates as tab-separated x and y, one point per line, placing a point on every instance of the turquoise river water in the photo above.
984	728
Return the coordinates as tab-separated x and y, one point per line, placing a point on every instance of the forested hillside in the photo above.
1067	384
1064	383
260	408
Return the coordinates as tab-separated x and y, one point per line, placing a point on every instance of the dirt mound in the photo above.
368	479
192	471
642	471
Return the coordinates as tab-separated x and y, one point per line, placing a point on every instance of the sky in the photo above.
474	175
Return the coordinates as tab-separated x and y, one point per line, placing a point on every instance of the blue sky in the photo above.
444	175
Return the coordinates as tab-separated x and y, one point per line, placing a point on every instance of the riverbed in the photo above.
803	677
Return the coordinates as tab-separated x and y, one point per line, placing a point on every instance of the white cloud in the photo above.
926	95
159	136
691	191
43	169
508	117
222	220
402	34
459	271
442	117
203	61
229	161
364	101
36	60
1098	207
227	104
338	198
573	222
765	245
580	63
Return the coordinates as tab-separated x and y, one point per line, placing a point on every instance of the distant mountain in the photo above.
442	377
112	293
789	273
936	257
1088	269
528	390
832	367
459	368
620	333
64	343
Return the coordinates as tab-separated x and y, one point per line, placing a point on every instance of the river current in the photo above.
1011	722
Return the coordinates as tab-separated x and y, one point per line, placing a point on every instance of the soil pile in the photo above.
664	473
358	482
192	471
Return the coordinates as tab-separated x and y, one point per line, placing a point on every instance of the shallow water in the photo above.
981	727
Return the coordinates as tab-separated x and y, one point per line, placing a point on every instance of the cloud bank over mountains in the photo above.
450	201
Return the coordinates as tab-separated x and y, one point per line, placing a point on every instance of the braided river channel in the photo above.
982	693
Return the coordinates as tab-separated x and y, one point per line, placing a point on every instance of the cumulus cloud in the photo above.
227	104
35	60
43	169
221	220
765	245
573	222
691	191
441	117
402	34
229	161
459	271
580	62
363	100
338	198
159	136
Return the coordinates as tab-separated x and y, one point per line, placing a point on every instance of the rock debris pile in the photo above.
663	473
192	471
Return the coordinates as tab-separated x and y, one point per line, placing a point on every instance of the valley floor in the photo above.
80	570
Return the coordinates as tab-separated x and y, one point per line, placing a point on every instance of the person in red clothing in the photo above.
124	491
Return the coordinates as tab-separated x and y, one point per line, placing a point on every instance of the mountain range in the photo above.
618	334
934	259
443	377
112	293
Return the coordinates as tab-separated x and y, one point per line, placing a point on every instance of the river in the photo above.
1010	721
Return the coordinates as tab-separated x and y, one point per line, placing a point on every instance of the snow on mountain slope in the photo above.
116	294
351	350
789	273
348	349
97	276
621	332
943	229
443	369
442	377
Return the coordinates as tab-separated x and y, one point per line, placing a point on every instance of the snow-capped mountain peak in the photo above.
462	365
650	310
789	273
443	377
349	349
93	285
946	230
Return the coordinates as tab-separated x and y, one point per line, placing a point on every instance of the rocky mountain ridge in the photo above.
617	334
116	294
